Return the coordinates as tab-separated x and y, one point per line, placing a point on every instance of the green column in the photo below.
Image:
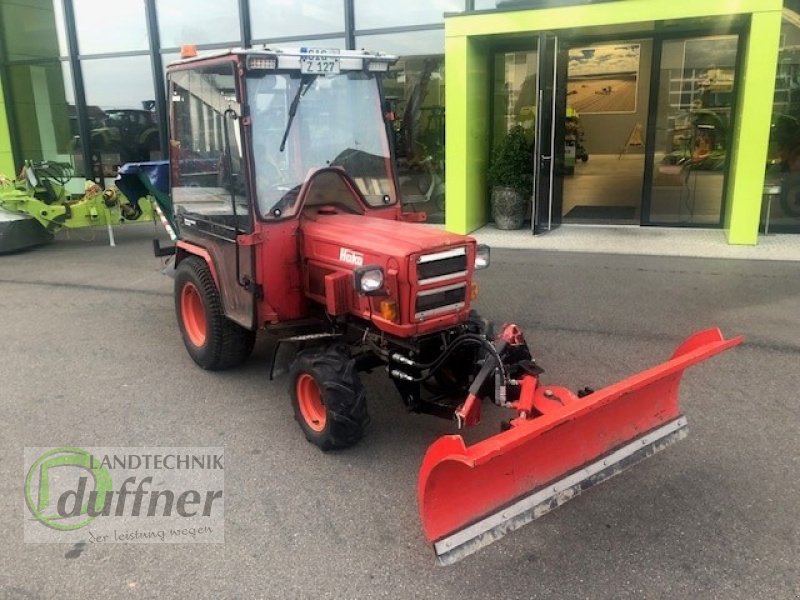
468	128
756	88
6	157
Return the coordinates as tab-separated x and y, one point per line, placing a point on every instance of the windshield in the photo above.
337	122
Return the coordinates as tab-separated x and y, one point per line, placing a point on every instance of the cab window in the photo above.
206	156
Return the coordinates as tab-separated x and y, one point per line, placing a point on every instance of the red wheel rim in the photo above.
309	400
193	314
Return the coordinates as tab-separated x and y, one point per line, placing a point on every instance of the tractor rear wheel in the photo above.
328	398
213	341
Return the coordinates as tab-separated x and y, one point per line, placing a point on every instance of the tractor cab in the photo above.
250	128
260	138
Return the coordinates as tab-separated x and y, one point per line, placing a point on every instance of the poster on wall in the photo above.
603	79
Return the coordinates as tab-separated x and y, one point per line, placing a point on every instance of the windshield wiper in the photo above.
305	85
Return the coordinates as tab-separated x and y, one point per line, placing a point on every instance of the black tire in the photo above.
225	344
342	400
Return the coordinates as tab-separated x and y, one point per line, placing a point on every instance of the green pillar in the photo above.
756	88
6	157
468	85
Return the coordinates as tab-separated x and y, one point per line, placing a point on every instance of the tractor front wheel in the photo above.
328	398
213	341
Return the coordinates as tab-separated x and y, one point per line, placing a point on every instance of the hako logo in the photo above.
66	469
351	257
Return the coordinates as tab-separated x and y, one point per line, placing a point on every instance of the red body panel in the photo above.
278	271
459	485
393	245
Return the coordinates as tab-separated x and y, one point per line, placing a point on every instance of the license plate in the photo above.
319	62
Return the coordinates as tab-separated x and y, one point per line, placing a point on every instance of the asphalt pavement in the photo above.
91	356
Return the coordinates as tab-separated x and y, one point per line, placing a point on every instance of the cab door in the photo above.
208	184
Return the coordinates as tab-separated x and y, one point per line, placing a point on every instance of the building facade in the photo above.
82	81
676	113
637	111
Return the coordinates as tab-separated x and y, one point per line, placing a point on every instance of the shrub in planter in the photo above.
510	177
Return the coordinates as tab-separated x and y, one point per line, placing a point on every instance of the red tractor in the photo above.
297	229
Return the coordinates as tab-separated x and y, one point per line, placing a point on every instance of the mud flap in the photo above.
471	496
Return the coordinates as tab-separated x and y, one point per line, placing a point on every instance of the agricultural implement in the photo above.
36	205
287	219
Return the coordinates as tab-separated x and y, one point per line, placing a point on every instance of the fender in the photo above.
185	249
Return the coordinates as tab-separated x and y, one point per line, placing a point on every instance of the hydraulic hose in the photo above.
466	338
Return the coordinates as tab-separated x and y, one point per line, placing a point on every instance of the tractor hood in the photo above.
427	271
373	237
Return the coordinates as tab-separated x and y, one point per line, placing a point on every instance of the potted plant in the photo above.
510	177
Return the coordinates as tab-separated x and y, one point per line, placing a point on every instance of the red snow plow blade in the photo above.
559	445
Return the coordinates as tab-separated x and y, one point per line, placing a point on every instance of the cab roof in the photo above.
289	57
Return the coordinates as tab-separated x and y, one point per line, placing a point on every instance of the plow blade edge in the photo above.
471	496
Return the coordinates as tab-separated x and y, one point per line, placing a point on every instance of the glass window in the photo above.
206	147
414	90
273	19
415	43
104	27
693	130
372	15
33	30
337	42
784	143
485	4
322	133
514	92
46	125
123	123
208	22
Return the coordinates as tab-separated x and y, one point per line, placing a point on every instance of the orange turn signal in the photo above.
473	291
389	310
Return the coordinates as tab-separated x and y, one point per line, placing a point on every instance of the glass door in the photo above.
692	131
548	149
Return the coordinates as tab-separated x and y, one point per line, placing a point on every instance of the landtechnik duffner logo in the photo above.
147	494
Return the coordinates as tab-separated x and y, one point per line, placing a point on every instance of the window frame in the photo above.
206	223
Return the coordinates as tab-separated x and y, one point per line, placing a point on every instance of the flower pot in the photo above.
508	208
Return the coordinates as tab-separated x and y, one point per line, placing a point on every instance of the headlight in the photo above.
368	280
482	254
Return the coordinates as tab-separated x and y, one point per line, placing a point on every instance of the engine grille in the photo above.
441	300
441	266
